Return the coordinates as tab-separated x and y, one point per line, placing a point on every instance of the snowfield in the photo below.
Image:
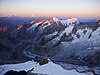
50	68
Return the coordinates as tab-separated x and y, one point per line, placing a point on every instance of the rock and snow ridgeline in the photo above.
62	41
49	69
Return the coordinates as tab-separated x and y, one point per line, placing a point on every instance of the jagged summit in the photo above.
72	21
55	19
69	21
41	21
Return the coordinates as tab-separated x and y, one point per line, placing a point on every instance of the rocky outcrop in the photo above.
11	72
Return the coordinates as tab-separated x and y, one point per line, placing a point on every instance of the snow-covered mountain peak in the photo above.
72	21
43	21
55	19
31	22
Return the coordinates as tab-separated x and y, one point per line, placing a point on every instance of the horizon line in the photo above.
48	16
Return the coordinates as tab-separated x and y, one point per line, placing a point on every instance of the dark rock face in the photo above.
95	25
93	60
11	72
11	45
41	60
22	73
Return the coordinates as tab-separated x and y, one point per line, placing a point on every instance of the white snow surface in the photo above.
64	22
32	28
55	19
50	68
72	21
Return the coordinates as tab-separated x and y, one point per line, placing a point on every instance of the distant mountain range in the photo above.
15	20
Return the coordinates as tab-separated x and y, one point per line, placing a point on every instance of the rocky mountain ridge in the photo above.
65	41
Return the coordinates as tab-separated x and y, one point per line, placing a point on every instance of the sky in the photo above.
79	8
